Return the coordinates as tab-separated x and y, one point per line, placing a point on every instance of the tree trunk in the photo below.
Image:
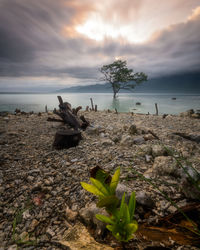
115	90
66	139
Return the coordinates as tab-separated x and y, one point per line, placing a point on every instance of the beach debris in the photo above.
191	137
66	139
174	226
69	115
154	135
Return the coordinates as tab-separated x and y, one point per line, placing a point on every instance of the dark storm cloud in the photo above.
28	27
37	39
173	50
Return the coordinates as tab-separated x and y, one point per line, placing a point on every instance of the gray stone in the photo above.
189	184
139	140
144	199
165	165
88	215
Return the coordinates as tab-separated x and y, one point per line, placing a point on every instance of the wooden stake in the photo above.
46	110
95	108
92	103
156	105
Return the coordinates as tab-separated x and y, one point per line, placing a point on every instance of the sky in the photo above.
48	44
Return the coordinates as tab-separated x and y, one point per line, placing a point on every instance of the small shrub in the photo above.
121	217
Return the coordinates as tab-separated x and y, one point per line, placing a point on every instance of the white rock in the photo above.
164	165
107	142
126	140
158	150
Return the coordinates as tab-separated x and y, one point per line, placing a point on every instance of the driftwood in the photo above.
66	139
195	138
175	226
69	116
151	132
50	119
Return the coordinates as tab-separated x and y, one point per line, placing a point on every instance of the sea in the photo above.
168	103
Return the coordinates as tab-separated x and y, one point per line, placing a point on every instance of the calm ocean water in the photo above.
124	103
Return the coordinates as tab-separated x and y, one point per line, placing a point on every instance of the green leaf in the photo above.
132	227
99	186
92	189
110	228
108	201
126	214
101	175
117	236
131	205
104	219
114	181
122	206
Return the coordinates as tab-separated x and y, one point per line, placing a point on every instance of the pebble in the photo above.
29	167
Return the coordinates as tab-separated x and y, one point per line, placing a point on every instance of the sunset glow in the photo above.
67	41
95	28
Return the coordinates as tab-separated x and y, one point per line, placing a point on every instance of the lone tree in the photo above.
120	77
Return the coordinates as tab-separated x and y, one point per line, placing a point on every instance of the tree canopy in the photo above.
120	77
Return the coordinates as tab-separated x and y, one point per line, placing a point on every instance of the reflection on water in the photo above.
104	101
115	104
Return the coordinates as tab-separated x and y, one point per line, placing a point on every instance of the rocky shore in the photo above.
42	202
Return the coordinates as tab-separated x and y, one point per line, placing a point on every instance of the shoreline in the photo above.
32	170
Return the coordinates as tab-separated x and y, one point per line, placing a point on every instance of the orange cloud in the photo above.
195	14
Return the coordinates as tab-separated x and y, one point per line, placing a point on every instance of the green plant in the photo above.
16	221
121	218
120	77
